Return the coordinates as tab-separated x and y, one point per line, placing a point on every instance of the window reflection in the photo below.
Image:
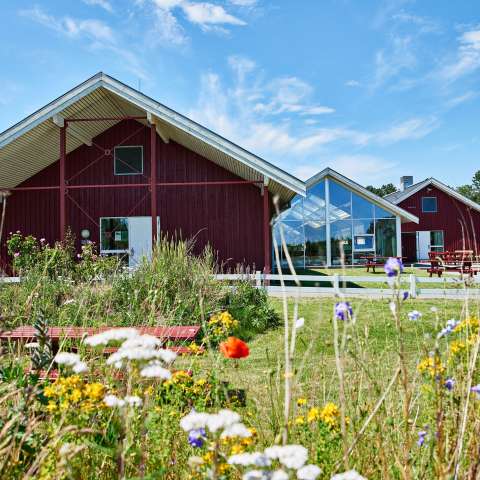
358	228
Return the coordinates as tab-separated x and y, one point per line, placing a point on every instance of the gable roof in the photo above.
363	192
400	196
32	144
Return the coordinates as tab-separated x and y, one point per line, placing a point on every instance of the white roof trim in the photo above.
162	112
363	192
441	186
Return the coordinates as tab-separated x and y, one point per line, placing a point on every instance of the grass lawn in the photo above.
380	274
373	338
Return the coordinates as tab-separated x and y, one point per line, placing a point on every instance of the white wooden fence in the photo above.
459	289
446	287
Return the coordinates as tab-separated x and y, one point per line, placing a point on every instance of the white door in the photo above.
423	245
140	238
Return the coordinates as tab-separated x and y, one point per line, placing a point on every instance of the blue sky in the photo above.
374	89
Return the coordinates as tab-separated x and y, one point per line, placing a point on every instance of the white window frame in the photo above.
115	163
103	251
436	205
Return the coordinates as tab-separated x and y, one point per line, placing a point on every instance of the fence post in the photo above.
336	284
258	278
413	286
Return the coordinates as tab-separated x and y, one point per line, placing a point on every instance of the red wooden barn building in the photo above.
448	221
116	167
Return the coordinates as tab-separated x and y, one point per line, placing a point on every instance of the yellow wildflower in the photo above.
51	407
301	402
76	395
431	365
236	449
330	414
299	420
313	415
49	392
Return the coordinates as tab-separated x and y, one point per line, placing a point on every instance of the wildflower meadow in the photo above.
271	388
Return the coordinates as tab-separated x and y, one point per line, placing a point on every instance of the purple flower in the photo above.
393	267
343	311
449	383
476	389
196	437
16	254
405	295
421	437
414	315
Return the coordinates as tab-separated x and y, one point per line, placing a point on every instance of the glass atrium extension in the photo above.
332	222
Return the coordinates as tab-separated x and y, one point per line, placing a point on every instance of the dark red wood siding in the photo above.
460	223
228	217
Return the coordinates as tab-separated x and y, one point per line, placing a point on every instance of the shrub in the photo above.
252	309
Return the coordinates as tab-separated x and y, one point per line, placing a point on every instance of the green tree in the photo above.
471	191
383	190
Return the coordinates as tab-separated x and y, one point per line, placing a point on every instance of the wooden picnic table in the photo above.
373	261
458	261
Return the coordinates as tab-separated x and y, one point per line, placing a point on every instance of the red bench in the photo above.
183	334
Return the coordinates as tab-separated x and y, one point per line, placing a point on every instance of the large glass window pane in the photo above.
361	208
314	204
315	246
381	213
294	239
294	212
363	227
114	234
340	202
386	238
341	240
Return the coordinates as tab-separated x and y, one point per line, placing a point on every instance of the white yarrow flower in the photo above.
155	371
308	472
133	401
80	367
290	456
350	475
223	419
67	358
194	420
115	334
236	430
279	475
300	323
256	458
113	401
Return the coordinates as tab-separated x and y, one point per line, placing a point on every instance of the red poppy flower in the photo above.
234	348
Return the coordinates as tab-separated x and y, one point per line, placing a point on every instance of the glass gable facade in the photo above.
332	226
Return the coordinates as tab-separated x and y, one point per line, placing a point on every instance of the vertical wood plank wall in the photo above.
228	217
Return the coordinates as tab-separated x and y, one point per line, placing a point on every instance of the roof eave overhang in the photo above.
269	171
441	186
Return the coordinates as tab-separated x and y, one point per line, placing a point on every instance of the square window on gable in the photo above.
128	160
429	204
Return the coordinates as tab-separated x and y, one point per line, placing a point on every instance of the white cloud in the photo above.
105	4
424	24
364	169
393	60
244	3
352	83
71	27
458	100
412	129
208	13
467	58
285	137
